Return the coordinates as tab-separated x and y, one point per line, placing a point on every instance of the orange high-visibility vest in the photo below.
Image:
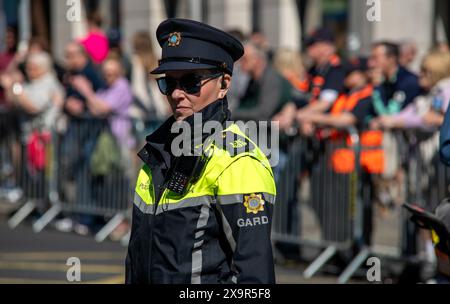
296	82
372	155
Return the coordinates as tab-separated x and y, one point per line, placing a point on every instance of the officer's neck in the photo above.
215	111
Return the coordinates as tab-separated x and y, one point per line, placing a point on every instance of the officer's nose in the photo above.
178	95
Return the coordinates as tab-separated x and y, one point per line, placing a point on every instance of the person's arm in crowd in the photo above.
326	100
444	148
286	116
23	101
333	85
433	119
356	117
15	93
95	105
408	118
337	121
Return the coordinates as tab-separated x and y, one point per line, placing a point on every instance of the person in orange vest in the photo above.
323	85
353	109
326	77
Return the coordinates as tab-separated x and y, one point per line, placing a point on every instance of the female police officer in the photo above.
200	219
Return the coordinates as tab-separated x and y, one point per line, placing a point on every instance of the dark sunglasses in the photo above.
191	83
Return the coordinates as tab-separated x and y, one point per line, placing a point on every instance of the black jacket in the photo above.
210	239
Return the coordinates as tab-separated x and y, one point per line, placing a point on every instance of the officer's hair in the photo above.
392	49
260	52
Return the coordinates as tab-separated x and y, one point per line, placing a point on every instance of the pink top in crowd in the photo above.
97	46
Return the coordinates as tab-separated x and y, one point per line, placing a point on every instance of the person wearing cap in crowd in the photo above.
352	107
326	75
202	217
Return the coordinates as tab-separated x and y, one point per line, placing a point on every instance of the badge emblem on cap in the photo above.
174	39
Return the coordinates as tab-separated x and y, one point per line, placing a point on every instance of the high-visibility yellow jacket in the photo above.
219	232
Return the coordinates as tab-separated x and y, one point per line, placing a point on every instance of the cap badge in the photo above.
174	39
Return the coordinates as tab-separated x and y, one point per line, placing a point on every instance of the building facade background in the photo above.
284	22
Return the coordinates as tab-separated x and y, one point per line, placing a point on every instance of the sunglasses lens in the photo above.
162	85
166	85
191	84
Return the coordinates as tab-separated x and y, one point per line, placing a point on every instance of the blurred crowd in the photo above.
96	87
311	93
323	96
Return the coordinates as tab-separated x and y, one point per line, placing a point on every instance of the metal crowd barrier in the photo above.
424	182
327	218
26	166
336	214
81	172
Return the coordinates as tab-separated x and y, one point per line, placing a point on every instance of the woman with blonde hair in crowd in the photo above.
427	111
150	105
289	63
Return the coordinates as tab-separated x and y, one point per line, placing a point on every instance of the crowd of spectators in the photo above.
309	93
97	99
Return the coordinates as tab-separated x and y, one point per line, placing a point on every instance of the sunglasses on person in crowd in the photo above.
190	83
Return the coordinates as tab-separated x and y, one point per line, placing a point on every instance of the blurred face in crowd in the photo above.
313	51
320	52
381	61
408	54
249	60
75	57
34	70
425	78
252	60
11	40
434	68
356	79
112	71
184	104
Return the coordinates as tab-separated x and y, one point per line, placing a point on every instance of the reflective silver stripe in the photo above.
188	202
197	255
199	234
145	208
239	198
196	267
229	235
228	232
198	244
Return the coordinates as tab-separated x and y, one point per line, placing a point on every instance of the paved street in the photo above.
27	257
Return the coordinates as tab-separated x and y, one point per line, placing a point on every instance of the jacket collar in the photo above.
161	139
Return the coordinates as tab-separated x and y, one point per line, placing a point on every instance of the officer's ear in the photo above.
224	85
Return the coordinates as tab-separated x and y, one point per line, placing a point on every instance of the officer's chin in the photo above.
182	113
